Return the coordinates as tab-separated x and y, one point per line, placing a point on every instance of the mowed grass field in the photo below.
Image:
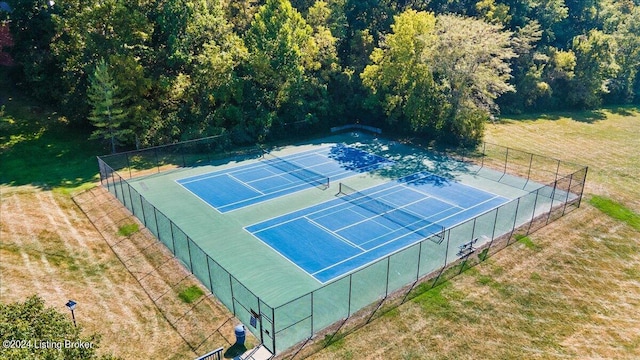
128	290
569	291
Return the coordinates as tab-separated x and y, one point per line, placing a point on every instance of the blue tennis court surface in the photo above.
338	236
246	185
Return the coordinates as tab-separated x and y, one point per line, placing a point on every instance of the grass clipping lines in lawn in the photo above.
570	290
50	249
201	321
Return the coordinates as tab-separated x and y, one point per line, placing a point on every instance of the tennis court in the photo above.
295	240
333	238
278	176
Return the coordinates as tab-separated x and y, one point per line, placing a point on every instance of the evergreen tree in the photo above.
107	113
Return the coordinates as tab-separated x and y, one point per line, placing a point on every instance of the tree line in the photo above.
143	72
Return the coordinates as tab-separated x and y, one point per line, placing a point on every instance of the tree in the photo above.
494	13
199	90
582	16
326	75
550	14
470	64
399	79
116	30
441	73
626	84
6	41
217	87
107	114
43	332
241	12
595	67
32	29
528	70
558	75
183	27
281	50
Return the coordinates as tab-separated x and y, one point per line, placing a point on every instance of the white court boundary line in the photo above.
322	151
386	192
393	240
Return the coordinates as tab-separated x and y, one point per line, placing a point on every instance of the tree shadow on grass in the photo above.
38	148
625	110
585	116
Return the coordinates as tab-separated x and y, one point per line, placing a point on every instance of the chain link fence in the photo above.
293	328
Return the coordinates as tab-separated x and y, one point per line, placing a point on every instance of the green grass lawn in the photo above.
568	290
616	210
39	147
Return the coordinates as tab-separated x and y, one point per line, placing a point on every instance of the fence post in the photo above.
273	328
155	217
209	272
584	180
515	220
184	159
208	152
100	167
533	212
349	301
173	238
493	233
419	259
124	201
106	176
566	199
189	252
446	251
553	197
506	160
155	152
386	290
115	185
311	335
128	165
233	300
530	165
473	230
133	209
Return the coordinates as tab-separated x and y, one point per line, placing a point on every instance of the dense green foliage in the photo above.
29	330
254	69
107	113
441	74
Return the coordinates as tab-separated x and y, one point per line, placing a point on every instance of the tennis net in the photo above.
301	173
422	227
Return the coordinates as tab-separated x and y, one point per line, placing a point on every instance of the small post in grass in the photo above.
72	305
